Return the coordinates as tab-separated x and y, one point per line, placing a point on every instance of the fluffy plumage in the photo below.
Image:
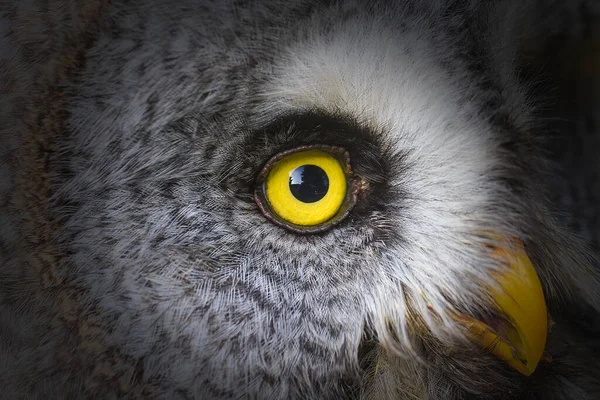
136	263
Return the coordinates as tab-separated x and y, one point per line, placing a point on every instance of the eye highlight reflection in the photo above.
308	189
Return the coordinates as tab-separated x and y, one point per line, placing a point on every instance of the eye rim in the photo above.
352	189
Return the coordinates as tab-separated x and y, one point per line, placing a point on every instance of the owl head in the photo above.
273	199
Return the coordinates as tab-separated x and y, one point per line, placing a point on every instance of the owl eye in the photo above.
308	189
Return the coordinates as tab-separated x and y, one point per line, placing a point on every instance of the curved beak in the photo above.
518	333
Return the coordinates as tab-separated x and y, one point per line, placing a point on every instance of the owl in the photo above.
227	199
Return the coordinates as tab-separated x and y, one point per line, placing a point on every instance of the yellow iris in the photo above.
301	209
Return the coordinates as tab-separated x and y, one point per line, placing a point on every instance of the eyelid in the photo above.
352	188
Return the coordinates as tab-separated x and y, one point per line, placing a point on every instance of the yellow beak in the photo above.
519	336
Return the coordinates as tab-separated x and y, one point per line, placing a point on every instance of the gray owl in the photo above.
293	199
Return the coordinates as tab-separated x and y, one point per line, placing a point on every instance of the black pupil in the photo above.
309	183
